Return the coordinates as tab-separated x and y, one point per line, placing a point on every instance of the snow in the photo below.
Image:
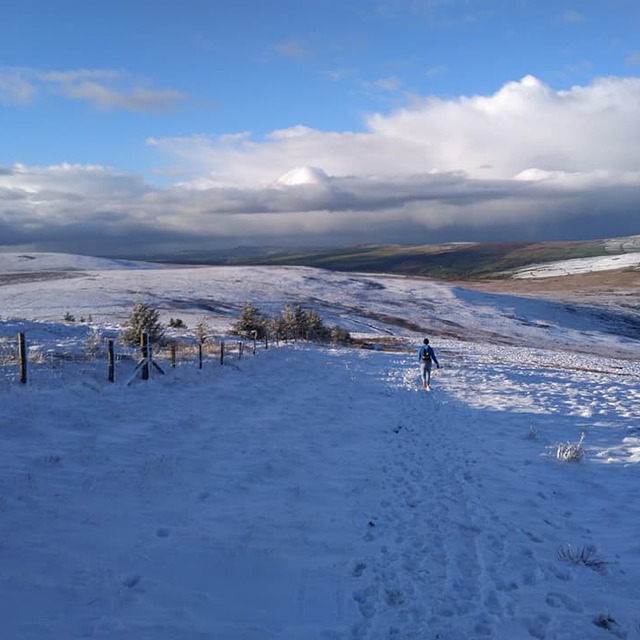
580	265
29	262
363	304
318	492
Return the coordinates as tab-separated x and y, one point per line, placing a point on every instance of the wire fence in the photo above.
22	362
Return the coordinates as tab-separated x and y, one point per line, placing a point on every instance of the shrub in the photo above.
315	328
568	452
177	323
339	335
587	556
144	318
293	322
202	331
94	343
275	326
304	324
69	317
605	621
8	351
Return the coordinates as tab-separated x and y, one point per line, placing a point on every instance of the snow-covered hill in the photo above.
319	492
580	265
38	262
366	305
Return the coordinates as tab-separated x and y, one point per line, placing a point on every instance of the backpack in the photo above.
426	356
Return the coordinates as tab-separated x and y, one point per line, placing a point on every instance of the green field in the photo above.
455	261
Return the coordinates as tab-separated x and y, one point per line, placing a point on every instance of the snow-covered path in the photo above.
318	493
476	508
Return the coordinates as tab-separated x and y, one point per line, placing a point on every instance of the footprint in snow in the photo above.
132	580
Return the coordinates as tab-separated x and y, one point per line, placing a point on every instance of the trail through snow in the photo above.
319	493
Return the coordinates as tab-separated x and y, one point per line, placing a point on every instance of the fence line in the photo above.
16	354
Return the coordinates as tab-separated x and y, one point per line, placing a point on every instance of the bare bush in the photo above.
94	344
587	556
8	351
605	621
571	452
202	331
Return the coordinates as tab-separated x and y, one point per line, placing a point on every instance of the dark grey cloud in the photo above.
525	163
418	208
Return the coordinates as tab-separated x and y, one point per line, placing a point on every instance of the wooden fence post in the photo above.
173	355
111	361
144	348
22	349
222	352
200	356
146	361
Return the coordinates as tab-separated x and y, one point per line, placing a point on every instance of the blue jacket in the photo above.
430	352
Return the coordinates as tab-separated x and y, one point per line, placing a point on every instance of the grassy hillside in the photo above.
455	261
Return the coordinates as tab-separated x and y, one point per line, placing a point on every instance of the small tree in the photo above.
339	335
294	320
276	326
202	331
144	318
315	328
251	320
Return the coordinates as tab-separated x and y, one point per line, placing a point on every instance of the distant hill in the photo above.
452	261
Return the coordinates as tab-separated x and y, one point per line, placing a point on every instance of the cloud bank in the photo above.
528	162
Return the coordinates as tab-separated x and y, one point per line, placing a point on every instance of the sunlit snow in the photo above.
313	491
580	265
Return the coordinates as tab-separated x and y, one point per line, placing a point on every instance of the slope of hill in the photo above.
316	492
44	262
379	306
455	261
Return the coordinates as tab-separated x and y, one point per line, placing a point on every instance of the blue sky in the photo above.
394	121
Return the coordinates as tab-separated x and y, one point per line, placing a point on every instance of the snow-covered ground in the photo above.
580	265
318	492
32	262
103	292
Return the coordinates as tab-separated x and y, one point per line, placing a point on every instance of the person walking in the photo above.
426	357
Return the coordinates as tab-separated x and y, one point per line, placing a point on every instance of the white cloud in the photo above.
83	180
385	84
78	75
14	89
292	49
633	59
135	100
525	162
103	88
525	125
572	16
